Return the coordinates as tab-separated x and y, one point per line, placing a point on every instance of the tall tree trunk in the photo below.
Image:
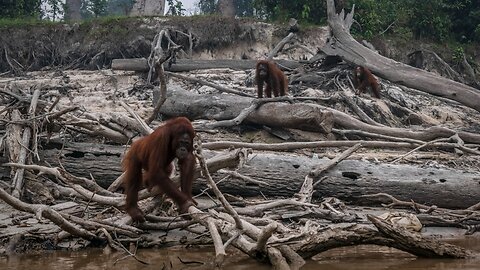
226	8
72	10
148	7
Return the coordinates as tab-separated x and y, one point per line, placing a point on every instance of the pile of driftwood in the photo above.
283	232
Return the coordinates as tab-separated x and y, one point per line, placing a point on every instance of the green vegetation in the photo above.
456	21
438	20
22	22
175	8
20	8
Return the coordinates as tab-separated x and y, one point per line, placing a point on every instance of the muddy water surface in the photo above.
350	258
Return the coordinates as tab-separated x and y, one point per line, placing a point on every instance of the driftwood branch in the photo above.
157	57
216	191
345	46
317	171
47	212
351	102
321	241
163	92
280	45
18	179
210	84
301	145
417	244
420	147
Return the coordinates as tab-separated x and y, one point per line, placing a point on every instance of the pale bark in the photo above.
148	7
304	116
344	45
283	175
72	10
183	65
226	8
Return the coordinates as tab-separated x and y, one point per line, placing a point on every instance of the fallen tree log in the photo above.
351	179
348	122
344	45
305	116
181	65
285	173
223	107
386	235
89	160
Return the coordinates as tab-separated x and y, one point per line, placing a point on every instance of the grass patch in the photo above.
107	20
23	22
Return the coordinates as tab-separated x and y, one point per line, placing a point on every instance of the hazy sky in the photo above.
188	5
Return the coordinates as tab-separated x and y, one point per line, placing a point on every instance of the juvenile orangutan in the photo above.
267	72
363	78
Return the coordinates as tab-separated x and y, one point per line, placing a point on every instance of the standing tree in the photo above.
175	8
148	7
226	8
98	7
207	6
244	8
20	8
72	10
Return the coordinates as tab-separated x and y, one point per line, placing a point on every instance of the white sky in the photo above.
188	5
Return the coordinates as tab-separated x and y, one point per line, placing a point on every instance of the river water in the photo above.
348	258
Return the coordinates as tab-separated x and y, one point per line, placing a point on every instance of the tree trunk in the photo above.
148	8
182	65
226	8
299	116
284	174
344	45
304	116
72	10
93	161
351	179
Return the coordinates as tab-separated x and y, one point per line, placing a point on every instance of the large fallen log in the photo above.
285	173
351	179
344	45
223	107
99	162
305	116
140	64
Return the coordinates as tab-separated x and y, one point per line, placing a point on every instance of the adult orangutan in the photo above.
363	78
267	72
154	154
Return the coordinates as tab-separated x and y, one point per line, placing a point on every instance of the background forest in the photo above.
436	20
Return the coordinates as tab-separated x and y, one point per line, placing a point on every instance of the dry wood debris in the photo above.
280	231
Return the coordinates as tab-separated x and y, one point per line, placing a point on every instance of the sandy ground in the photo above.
99	92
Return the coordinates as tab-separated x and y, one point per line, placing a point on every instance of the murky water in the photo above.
349	258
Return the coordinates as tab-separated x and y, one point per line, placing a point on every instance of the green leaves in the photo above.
431	19
94	8
175	8
19	8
